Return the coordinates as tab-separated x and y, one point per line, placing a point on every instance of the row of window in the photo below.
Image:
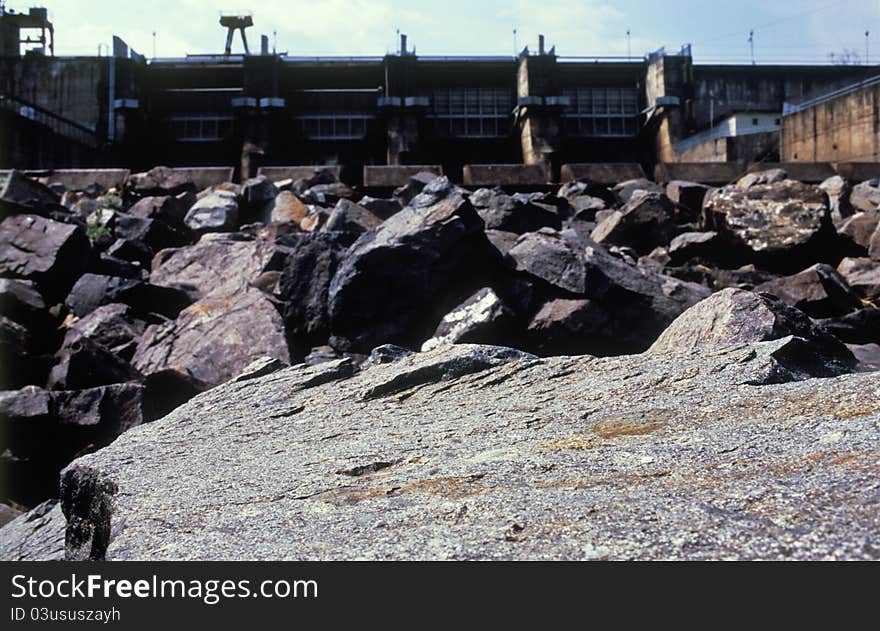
456	113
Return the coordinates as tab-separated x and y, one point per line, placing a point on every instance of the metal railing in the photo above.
794	107
58	124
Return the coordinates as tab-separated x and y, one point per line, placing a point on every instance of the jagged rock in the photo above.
862	275
215	338
624	190
859	227
131	251
257	196
50	253
22	303
115	327
481	319
329	194
85	364
745	277
874	245
315	219
398	280
165	390
500	211
567	325
350	217
782	226
734	316
838	190
858	327
19	366
159	181
770	176
638	304
170	209
320	176
867	356
570	191
94	290
7	514
501	241
585	208
866	195
287	207
643	223
406	193
688	197
305	283
382	208
108	265
819	291
695	245
152	232
438	454
217	262
37	535
217	212
20	194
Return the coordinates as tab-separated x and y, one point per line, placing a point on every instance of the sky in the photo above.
784	32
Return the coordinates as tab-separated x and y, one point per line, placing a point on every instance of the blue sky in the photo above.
807	30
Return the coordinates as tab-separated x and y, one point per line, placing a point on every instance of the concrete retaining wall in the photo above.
504	175
390	176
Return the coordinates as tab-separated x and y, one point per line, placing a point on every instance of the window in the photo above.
472	112
342	126
602	112
200	127
754	121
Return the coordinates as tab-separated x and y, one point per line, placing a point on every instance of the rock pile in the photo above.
116	307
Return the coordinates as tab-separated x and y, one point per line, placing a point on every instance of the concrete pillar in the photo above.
669	92
538	117
403	110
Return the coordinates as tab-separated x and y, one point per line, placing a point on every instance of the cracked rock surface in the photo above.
474	452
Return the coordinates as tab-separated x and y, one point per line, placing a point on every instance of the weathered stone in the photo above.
315	219
734	316
257	196
624	190
867	356
874	245
168	208
500	211
770	176
168	389
783	226
382	208
406	193
860	227
7	514
481	319
20	301
398	280
858	327
350	217
305	283
131	251
819	291
85	364
159	181
50	253
643	223
838	190
217	262
585	208
154	233
217	212
688	197
866	195
862	275
20	194
37	535
329	194
439	456
695	245
94	290
287	207
215	338
113	326
566	325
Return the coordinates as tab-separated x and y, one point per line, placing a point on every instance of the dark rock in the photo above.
860	227
21	302
481	319
819	291
108	265
646	221
382	208
320	176
397	281
858	327
500	211
215	338
695	245
154	233
93	290
167	389
19	364
585	208
406	193
386	354
20	194
624	190
305	283
770	176
350	217
166	208
85	364
838	191
735	316
257	196
570	191
501	241
863	276
131	251
867	356
866	196
780	227
37	535
217	212
51	254
329	194
568	326
159	181
746	277
688	198
114	327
